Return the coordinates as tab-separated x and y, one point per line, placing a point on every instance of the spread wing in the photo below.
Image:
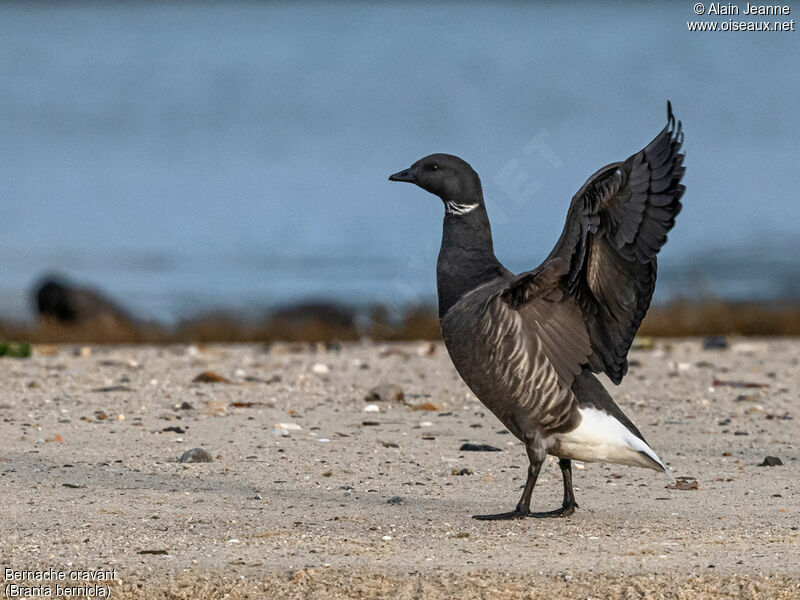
605	260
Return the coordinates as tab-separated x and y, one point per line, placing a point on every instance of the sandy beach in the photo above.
315	489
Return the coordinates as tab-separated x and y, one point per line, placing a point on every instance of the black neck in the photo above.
466	258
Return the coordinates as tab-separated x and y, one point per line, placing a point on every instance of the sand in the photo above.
356	504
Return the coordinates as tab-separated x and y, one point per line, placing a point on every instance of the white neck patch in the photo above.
459	209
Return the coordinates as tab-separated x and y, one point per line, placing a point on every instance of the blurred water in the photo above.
196	155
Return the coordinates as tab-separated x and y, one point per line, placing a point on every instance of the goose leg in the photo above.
568	505
524	505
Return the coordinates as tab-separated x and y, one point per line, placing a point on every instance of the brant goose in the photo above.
529	345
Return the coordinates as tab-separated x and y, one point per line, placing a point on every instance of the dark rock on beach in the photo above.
478	448
57	299
174	429
715	342
72	313
195	455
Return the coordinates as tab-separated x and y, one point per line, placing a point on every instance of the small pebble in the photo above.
387	392
288	426
478	448
426	349
210	377
426	406
113	388
684	483
715	342
174	429
771	461
195	455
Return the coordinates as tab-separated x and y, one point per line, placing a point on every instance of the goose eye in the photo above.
434	167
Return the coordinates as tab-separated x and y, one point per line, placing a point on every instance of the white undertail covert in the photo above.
602	438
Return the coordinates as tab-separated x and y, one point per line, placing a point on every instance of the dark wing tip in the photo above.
674	127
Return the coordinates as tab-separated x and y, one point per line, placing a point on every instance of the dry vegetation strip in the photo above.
679	318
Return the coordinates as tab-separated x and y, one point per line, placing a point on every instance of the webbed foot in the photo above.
507	516
564	511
